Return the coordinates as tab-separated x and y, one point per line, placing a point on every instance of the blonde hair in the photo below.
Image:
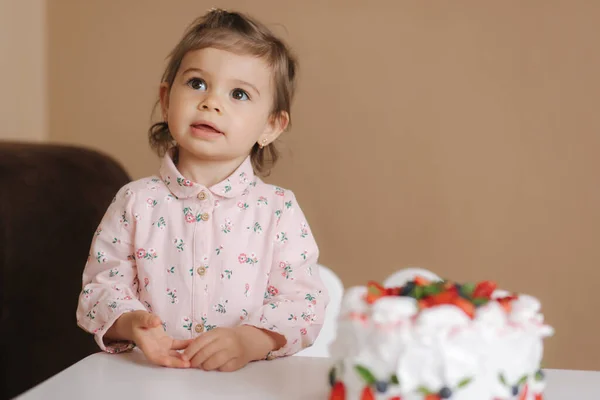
238	33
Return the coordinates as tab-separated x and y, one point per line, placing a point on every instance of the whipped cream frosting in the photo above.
392	348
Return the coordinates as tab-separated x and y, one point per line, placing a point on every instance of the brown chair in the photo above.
52	199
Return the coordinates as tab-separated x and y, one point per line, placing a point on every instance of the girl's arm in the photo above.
110	275
296	298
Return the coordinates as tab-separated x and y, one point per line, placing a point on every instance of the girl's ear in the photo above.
163	93
275	127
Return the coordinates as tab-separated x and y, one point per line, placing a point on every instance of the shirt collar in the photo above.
183	188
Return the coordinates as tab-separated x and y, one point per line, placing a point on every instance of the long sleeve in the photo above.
295	299
110	276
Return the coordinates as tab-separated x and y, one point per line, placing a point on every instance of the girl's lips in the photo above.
206	131
206	126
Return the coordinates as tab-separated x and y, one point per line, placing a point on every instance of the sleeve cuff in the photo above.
113	346
297	337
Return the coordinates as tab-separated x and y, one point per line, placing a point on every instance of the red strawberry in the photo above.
484	289
396	398
420	281
338	392
443	298
465	305
423	303
367	394
433	397
506	303
374	292
523	395
539	396
452	289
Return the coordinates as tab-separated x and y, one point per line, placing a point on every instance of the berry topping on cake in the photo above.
468	296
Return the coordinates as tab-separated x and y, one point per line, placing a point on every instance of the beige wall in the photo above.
23	95
459	136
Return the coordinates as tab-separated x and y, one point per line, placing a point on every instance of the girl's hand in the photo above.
146	331
229	349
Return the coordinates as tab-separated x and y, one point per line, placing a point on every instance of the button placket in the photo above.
204	204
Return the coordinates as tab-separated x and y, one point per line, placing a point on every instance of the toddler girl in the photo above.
204	265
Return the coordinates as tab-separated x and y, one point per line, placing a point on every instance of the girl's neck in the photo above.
205	172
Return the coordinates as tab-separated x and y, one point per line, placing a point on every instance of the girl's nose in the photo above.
210	104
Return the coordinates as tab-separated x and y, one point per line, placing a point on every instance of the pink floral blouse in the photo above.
239	252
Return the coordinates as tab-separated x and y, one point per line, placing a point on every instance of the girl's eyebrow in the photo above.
193	69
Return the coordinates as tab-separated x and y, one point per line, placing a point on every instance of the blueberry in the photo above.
539	375
445	393
381	386
407	288
515	390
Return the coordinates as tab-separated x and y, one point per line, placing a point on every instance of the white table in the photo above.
127	376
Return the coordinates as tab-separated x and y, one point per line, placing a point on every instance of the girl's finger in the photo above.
217	360
172	361
176	354
200	342
180	344
206	352
231	365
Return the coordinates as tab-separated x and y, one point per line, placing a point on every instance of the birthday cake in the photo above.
433	340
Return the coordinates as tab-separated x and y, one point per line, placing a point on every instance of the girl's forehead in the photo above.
217	63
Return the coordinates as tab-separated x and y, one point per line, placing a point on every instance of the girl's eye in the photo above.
240	94
197	84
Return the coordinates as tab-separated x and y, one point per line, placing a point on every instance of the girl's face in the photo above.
219	105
